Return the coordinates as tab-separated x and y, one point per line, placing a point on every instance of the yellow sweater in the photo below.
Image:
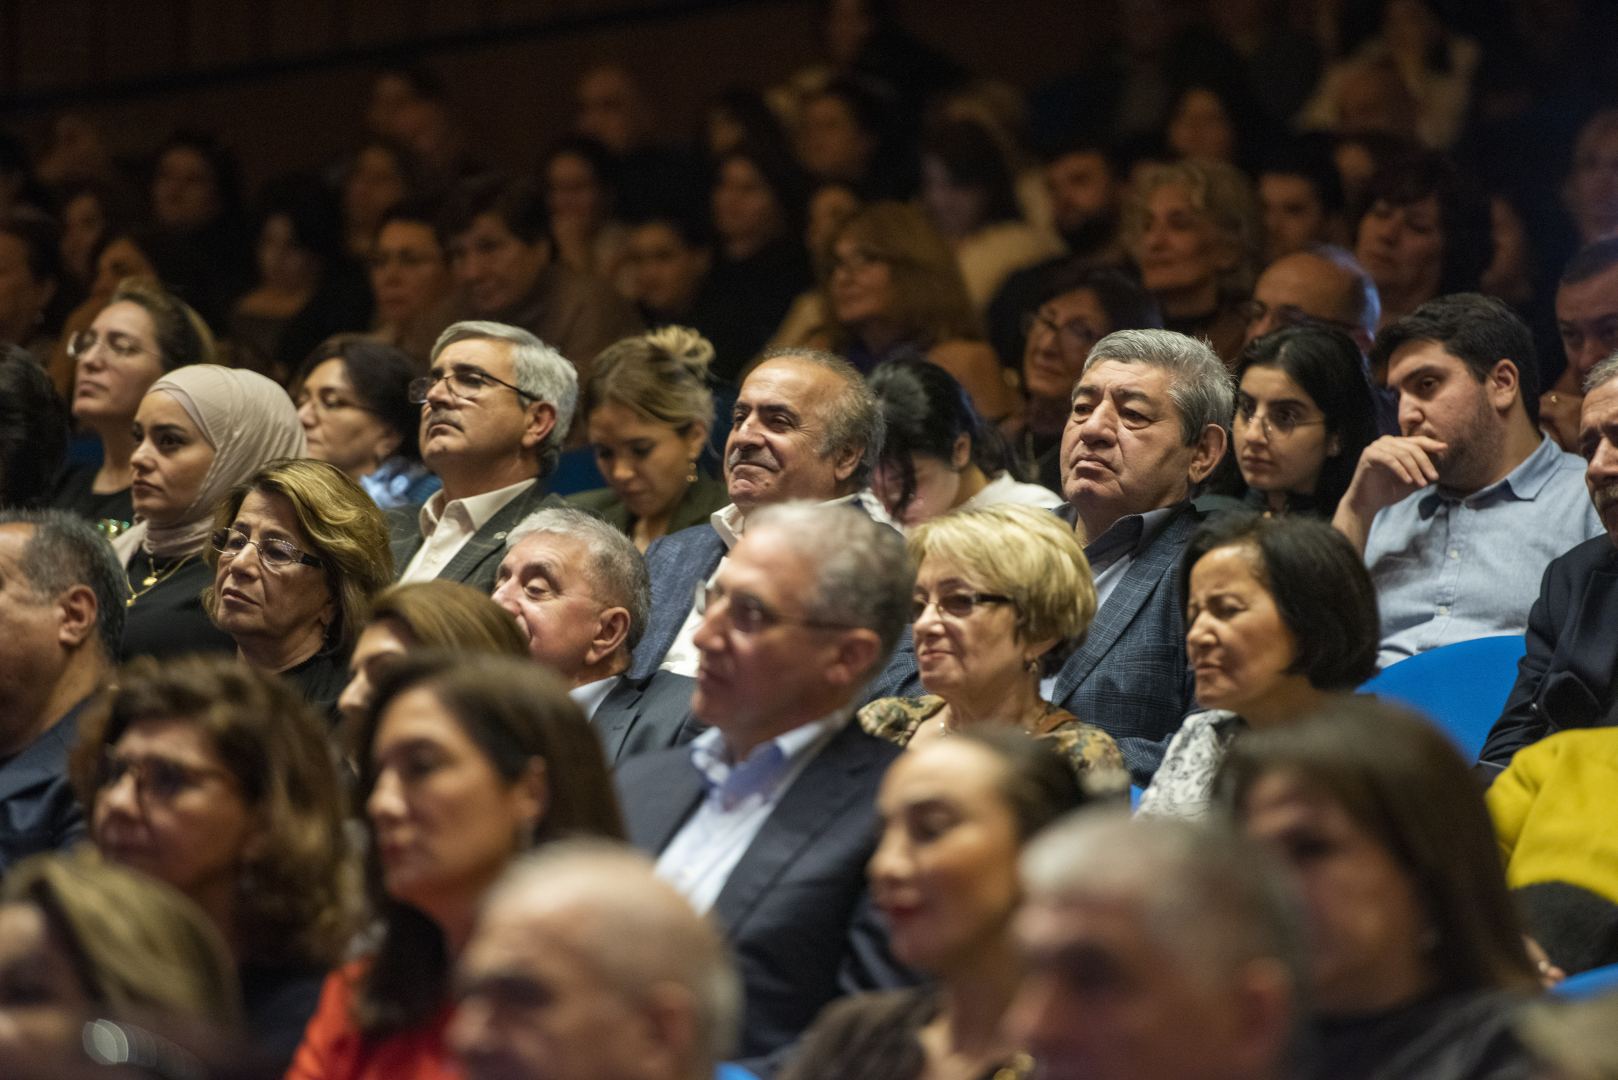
1555	812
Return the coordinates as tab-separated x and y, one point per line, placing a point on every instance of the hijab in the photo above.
248	420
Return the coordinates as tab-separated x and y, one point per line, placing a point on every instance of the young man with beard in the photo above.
1459	514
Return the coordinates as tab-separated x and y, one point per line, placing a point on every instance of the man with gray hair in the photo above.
579	592
1156	950
768	818
495	409
62	607
584	966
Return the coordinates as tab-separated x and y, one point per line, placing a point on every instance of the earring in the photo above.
691	472
1031	665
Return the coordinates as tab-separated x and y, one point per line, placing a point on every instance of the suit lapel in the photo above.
674	581
616	715
489	541
1595	662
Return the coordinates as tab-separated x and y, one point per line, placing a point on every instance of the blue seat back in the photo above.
1589	984
1462	686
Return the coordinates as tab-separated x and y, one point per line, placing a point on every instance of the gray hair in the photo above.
854	418
1200	385
64	550
616	569
1364	301
865	578
1602	374
635	929
541	372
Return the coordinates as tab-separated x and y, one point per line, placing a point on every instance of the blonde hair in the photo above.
1224	196
930	299
1026	553
662	377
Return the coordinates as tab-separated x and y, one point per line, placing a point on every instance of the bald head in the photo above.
1319	286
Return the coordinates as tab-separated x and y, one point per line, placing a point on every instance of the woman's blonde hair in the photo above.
662	377
1224	196
1023	552
137	945
930	299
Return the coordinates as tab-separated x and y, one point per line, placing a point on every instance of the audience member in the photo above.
648	411
411	280
667	257
1157	950
1280	615
1003	595
353	399
320	553
612	108
954	817
1587	323
234	800
1459	515
202	239
119	254
30	275
496	407
63	611
805	426
844	134
1289	383
580	189
33	431
1590	193
585	966
1417	960
767	818
1320	286
464	762
382	174
200	432
1301	196
580	594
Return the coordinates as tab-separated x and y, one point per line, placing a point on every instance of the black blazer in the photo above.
475	564
795	909
641	715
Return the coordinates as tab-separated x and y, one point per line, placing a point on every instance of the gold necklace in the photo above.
154	579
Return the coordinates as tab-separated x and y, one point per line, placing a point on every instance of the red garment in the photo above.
332	1048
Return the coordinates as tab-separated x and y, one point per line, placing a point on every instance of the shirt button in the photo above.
1443	610
1454	554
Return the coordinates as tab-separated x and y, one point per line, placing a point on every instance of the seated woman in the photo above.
142	333
1280	615
1003	596
214	778
578	174
199	432
1417	962
955	816
893	286
353	400
1304	414
464	763
381	174
648	411
937	456
438	614
319	553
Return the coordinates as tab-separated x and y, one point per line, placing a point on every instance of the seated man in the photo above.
1587	322
1459	516
1566	680
768	818
579	592
61	617
495	410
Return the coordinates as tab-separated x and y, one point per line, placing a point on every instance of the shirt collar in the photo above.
590	696
477	509
766	769
1522	484
1126	536
729	521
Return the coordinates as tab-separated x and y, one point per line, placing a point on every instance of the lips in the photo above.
142	487
229	595
87	387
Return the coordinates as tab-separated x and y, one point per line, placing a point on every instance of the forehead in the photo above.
1592	298
1282	800
486	353
1601	405
1286	187
413	234
1108	377
13	541
1228	567
1414	354
944	770
1269	383
1305	281
487	226
418	714
1078	304
162	407
562	555
331	372
270	511
170	736
656	235
127	316
765	564
1170	197
1077	166
795	383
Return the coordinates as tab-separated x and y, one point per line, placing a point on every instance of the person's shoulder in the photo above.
897	718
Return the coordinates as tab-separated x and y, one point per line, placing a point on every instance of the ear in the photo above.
961	453
77	613
1334	446
1209	448
387	444
612	628
1263	1008
848	459
670	1018
541	421
531	794
1503	385
695	438
853	657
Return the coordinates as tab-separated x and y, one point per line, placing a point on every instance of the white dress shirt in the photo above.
590	696
446	529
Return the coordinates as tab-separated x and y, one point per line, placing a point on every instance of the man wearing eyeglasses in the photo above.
495	409
767	819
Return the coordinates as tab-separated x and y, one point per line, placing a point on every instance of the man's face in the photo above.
1440	398
467	431
609	108
494	266
1299	289
542	583
1123	451
776	449
1293	215
1587	319
666	271
30	627
1598	442
1082	189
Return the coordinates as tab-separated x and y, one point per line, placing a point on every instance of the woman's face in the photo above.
956	209
1369	933
745	210
259	602
1281	438
338	427
1592	186
83	221
378	643
1402	247
830	141
185	194
1065	329
168	806
645	462
964	652
43	1002
282	262
861	284
573	191
1201	129
170	461
113	376
667	273
944	875
409	273
938	486
1179	250
1236	640
445	821
119	260
373	184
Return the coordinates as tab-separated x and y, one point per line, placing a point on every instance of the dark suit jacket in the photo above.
641	715
795	909
38	808
475	564
1565	679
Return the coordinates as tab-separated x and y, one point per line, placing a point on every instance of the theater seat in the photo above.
1589	984
1462	686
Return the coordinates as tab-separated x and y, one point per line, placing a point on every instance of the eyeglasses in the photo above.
1073	336
274	554
1278	424
121	345
464	382
160	778
750	615
1291	315
957	605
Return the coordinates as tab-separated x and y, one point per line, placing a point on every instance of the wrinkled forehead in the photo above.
1138	379
798	384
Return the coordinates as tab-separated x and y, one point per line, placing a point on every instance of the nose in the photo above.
504	595
1256	430
1410	414
120	798
306	414
710	636
1101	426
438	391
356	696
622	469
1604	462
469	1028
890	862
386	802
1591	353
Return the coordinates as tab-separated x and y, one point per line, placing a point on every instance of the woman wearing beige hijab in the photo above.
199	432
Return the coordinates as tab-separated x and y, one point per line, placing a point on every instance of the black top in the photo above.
745	301
277	1003
1467	1036
73	494
320	679
166	619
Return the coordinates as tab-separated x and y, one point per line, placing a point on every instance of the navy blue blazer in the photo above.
641	715
1565	678
795	909
479	558
38	808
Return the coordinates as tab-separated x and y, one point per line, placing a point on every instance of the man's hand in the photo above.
1559	418
1390	469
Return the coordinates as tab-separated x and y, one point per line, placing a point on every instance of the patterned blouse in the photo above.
1096	759
1183	785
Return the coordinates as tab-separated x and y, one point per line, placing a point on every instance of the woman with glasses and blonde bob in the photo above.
298	552
1003	595
215	779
